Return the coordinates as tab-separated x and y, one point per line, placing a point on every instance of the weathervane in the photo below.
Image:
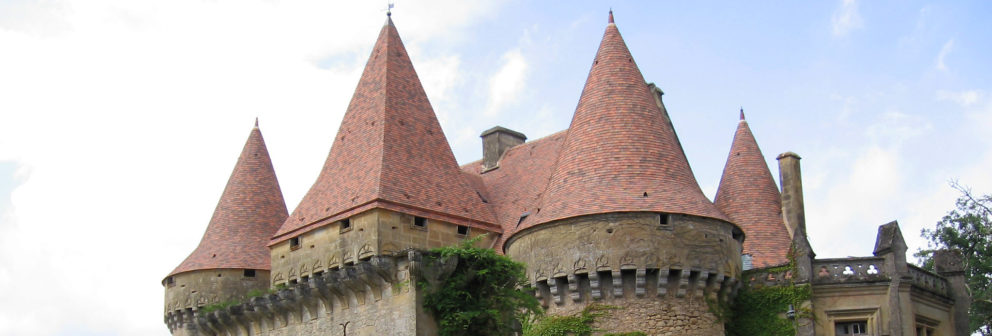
389	7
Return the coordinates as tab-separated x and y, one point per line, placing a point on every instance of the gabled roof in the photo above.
250	210
390	153
620	154
749	196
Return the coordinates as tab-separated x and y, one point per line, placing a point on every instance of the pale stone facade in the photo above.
199	288
371	233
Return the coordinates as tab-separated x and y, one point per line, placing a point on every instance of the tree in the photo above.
968	228
482	293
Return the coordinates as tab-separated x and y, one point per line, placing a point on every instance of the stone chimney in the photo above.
793	210
794	215
950	265
495	142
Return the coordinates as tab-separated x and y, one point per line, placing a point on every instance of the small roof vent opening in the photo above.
345	225
249	273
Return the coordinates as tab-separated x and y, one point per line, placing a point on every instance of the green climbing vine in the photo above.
485	294
761	310
580	324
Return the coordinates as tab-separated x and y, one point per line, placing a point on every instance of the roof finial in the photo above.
611	15
256	122
742	113
389	8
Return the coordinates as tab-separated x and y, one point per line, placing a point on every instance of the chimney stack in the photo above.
793	210
495	142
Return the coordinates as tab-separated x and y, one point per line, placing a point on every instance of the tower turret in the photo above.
390	181
622	219
749	196
232	259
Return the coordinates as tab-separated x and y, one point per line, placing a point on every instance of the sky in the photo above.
121	120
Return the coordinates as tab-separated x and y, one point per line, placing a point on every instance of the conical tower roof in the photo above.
750	197
248	213
620	154
389	152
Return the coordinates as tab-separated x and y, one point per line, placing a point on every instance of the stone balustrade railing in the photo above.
928	281
849	270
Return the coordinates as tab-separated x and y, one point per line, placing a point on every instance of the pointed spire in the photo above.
250	210
620	153
611	15
256	122
389	151
742	113
749	196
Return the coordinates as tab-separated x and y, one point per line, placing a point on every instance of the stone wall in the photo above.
661	273
377	296
204	287
371	233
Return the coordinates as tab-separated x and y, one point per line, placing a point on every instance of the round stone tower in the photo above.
623	221
232	259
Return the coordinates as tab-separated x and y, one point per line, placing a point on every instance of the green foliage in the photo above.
485	295
578	325
218	306
761	311
968	228
573	325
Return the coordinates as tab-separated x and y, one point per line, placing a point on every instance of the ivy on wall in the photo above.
760	310
485	294
580	324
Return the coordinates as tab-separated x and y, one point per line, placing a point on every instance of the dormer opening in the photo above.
738	235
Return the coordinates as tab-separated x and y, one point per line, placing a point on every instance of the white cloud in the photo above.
846	19
965	98
942	55
842	221
507	83
125	119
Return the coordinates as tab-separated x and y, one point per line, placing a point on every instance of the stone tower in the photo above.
748	195
231	259
622	220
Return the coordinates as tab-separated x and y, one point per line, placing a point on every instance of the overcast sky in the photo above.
120	121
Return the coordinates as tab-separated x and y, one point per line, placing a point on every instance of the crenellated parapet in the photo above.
644	283
662	269
357	295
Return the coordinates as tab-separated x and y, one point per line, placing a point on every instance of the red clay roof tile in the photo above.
619	153
248	213
515	187
389	148
749	196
